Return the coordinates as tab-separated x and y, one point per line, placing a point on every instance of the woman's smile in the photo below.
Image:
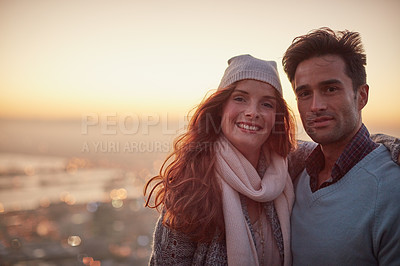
249	127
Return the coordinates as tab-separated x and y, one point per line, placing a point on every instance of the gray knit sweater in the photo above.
174	248
171	247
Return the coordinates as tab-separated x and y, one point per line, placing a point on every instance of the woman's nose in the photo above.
252	111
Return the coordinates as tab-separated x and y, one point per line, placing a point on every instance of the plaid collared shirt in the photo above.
355	151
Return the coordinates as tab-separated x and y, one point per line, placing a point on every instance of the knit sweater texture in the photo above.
171	247
355	221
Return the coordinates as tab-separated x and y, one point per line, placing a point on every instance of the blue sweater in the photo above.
355	221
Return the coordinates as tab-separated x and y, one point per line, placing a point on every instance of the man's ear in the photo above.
362	93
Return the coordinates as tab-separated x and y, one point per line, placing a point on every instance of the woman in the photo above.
225	193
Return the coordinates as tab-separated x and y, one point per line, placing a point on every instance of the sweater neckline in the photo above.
314	197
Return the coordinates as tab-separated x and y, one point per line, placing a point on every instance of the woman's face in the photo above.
248	115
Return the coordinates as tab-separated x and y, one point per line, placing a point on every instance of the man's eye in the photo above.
331	89
303	94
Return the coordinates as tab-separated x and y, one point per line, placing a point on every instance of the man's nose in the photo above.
318	103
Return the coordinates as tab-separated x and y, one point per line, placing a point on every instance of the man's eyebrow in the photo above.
330	81
322	83
301	87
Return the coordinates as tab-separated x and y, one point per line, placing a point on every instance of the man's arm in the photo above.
387	216
391	143
297	158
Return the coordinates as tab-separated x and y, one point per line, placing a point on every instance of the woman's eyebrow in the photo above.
241	91
265	96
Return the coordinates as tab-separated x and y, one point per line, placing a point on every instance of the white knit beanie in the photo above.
247	67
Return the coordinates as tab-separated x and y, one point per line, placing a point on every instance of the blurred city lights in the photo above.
74	164
87	260
90	261
39	253
74	241
67	198
121	251
43	228
92	206
65	206
117	203
143	240
44	202
118	194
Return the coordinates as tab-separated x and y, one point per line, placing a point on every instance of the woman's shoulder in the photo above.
171	247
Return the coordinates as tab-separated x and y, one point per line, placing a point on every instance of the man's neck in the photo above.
332	153
330	156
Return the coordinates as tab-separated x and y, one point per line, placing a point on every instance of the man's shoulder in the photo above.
379	164
380	158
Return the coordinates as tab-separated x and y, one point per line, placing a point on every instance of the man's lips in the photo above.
320	121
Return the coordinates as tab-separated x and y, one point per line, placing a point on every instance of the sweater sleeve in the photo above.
171	247
387	219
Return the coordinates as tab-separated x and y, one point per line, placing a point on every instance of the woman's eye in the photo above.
238	99
269	105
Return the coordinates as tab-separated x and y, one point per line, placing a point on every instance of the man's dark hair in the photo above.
325	41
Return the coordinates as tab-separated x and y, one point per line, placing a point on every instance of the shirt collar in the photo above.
359	146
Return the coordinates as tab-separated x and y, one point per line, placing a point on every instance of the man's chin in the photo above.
319	137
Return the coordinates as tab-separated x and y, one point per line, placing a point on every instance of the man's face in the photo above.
329	108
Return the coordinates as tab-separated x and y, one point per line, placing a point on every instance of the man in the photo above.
347	209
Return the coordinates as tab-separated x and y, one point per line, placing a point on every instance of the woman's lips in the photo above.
248	127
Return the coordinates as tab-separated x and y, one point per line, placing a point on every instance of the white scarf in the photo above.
237	175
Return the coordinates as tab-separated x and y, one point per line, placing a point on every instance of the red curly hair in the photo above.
186	187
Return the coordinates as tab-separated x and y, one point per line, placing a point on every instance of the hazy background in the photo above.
137	67
63	59
93	92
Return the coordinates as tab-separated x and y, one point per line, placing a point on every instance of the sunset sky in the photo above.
64	59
